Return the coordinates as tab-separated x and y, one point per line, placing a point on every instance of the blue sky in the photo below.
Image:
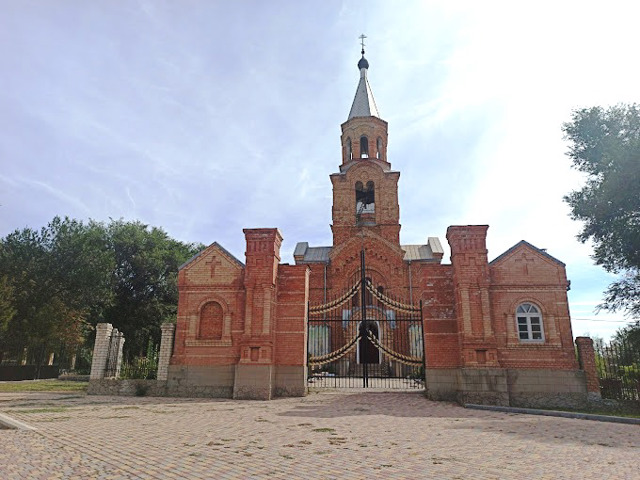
206	117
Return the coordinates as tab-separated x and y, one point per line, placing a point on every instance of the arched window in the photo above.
349	149
364	147
211	321
365	198
379	148
529	323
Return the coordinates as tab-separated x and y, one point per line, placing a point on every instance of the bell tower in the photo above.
365	190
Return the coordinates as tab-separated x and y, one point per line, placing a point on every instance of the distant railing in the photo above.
38	363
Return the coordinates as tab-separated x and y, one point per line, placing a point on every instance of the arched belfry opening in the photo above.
364	147
349	149
365	200
379	148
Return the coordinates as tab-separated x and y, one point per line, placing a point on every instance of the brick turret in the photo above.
471	285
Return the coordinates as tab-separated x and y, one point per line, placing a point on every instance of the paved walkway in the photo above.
332	435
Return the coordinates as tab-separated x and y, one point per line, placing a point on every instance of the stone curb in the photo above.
555	413
13	424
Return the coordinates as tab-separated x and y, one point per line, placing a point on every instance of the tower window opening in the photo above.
349	149
364	147
365	198
379	148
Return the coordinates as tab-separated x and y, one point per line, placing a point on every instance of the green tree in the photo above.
144	281
605	145
630	336
7	311
68	276
59	276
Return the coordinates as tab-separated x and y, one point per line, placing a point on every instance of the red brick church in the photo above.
368	311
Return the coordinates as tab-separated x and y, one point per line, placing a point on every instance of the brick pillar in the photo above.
166	349
471	285
101	350
254	376
587	359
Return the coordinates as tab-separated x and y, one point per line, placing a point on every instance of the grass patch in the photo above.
327	430
337	440
43	386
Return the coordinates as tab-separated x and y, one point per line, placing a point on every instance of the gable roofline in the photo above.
532	247
214	244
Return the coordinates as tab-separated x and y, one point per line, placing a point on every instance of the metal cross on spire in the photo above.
362	37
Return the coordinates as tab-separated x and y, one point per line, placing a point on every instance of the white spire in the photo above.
363	104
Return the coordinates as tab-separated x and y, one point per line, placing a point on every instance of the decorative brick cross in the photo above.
523	260
213	263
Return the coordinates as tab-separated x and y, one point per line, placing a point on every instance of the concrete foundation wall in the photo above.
201	381
547	388
253	382
485	386
112	386
532	388
290	381
442	384
250	382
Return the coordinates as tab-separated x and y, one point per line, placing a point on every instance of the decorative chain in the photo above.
390	302
336	354
318	309
412	361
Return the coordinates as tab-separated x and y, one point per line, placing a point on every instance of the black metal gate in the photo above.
366	338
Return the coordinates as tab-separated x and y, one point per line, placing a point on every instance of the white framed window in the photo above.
529	323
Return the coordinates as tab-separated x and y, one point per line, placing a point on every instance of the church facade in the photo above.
481	331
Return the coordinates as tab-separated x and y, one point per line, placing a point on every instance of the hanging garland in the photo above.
390	302
318	309
412	361
335	355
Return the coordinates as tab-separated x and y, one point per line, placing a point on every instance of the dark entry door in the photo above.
369	353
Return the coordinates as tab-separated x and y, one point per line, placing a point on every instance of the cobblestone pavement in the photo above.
332	435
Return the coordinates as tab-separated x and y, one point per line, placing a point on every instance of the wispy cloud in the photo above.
209	119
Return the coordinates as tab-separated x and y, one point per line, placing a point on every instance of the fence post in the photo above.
587	360
166	348
101	350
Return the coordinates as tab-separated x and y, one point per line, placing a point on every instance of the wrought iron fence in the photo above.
140	368
618	365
